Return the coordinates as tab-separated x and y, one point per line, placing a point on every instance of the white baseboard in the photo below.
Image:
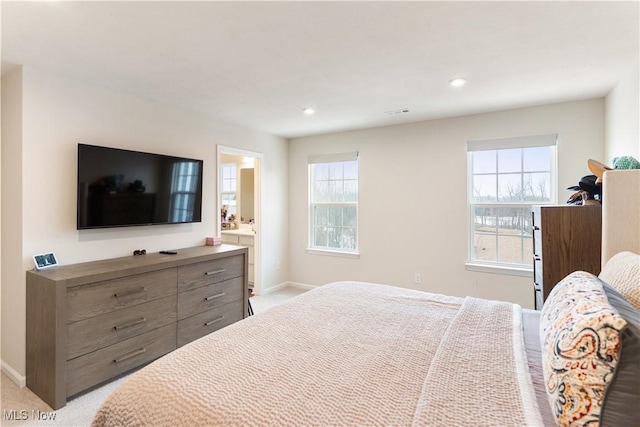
13	375
275	288
301	285
286	284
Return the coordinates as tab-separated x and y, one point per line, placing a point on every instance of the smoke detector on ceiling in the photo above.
397	112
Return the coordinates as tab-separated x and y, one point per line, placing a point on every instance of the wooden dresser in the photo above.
565	239
90	322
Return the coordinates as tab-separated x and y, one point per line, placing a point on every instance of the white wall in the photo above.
413	211
623	118
12	279
58	114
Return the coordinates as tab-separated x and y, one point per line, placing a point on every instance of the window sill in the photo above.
354	255
498	269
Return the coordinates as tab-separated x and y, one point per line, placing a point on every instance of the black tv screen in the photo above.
119	188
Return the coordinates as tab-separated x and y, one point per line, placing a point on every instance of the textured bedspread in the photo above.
344	354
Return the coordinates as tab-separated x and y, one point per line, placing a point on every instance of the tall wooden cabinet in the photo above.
90	322
565	239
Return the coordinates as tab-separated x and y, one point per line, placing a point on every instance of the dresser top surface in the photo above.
87	272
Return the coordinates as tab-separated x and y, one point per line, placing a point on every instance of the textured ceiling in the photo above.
258	64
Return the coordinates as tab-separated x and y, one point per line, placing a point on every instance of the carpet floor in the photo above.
21	407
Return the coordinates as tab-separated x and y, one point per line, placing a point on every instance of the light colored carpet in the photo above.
20	407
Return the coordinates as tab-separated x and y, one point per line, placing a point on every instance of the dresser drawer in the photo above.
104	297
101	331
91	369
537	272
538	299
197	326
208	297
205	273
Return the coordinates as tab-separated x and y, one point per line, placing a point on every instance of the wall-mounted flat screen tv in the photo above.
120	188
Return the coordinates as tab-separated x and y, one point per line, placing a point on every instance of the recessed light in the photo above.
308	111
457	82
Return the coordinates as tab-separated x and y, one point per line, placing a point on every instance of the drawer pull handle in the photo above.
221	294
130	324
211	273
130	355
536	228
211	322
131	292
536	257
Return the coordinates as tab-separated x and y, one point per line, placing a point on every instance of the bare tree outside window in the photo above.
505	183
334	205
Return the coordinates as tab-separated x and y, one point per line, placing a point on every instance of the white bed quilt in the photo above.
347	353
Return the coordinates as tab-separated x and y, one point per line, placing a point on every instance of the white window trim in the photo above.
529	141
550	140
499	269
328	158
336	252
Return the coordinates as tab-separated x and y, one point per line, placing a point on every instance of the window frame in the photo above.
495	266
224	193
312	204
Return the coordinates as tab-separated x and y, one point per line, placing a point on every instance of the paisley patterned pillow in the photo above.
580	334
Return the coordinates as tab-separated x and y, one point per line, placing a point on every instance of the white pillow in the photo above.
622	272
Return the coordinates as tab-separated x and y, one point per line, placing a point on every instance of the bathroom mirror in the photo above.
237	190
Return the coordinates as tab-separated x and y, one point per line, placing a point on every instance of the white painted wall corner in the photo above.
283	285
13	375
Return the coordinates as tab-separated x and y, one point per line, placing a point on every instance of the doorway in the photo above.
239	206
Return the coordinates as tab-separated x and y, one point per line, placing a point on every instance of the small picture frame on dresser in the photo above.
43	261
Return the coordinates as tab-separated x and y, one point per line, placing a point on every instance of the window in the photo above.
333	203
506	177
183	190
229	188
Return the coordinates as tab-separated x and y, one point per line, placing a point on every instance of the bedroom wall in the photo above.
623	118
413	211
57	114
11	183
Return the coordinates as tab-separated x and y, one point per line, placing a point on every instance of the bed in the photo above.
345	353
352	353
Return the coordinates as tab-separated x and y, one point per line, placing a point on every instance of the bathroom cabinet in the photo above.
243	238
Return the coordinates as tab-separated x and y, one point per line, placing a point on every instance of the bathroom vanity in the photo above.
243	237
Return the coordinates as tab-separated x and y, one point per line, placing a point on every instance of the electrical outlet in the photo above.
417	278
